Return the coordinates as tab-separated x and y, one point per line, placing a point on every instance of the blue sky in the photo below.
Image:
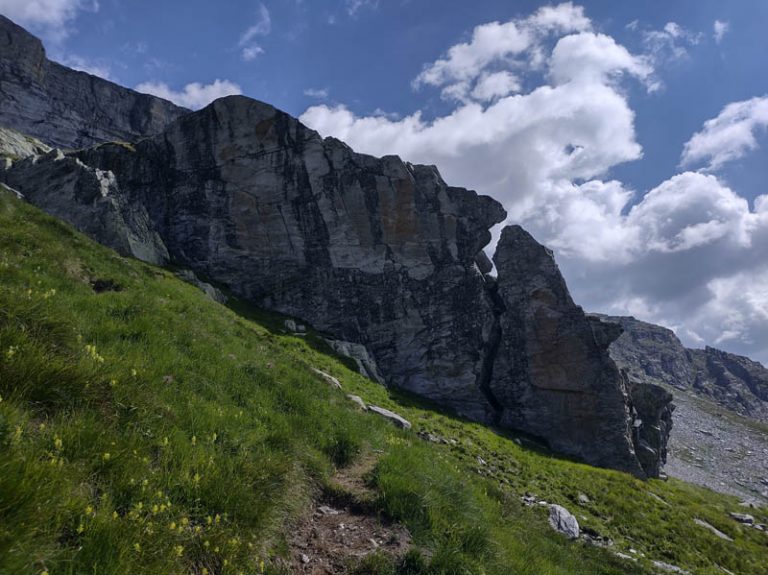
588	120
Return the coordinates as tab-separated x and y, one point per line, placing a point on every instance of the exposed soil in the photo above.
342	527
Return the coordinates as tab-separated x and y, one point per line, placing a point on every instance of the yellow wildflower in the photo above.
137	547
106	456
172	526
88	510
179	549
58	443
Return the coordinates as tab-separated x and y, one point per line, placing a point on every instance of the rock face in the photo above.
375	252
552	375
653	354
66	108
89	199
653	409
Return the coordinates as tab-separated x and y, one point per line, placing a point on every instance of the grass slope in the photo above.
147	429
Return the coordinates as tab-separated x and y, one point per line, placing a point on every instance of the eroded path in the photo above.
342	527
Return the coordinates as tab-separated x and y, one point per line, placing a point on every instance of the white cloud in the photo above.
194	95
319	93
100	68
720	28
249	48
728	136
595	59
355	6
495	85
517	42
670	43
676	255
50	17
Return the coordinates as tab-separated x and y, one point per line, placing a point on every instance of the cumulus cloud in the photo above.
249	48
194	95
688	254
517	41
720	28
51	17
728	136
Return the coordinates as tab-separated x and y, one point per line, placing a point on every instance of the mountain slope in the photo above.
145	428
653	354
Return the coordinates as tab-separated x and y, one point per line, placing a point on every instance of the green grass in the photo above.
150	430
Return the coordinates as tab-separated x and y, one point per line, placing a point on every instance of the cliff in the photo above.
376	252
66	108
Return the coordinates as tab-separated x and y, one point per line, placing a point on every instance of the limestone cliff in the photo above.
67	108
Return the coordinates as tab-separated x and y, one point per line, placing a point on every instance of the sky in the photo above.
628	137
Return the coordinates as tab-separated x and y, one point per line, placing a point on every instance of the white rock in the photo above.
561	520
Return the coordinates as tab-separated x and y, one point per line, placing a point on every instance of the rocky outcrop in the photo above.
653	354
88	198
66	108
653	408
552	375
733	381
377	253
14	145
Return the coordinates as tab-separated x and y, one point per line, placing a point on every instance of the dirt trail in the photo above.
342	528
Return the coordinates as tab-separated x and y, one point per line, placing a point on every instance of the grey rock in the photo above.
212	292
712	528
653	354
398	420
562	521
66	108
653	409
90	199
742	518
669	568
357	400
328	378
552	375
583	499
366	364
14	145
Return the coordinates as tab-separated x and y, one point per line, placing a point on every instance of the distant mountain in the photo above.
653	354
66	108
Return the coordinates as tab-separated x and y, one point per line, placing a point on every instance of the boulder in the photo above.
398	420
562	521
